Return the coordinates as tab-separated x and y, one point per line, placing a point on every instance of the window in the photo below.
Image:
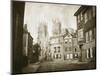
90	14
87	37
66	41
69	40
78	18
67	56
94	11
75	49
94	33
90	35
91	53
71	56
86	17
80	35
58	49
81	16
88	53
75	55
60	56
54	49
56	56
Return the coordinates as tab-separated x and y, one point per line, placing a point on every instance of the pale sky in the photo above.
35	13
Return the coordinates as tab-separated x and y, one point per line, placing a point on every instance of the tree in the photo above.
37	49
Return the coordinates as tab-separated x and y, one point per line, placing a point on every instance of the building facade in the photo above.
56	42
17	36
27	45
56	48
86	31
71	49
63	45
68	54
75	48
30	48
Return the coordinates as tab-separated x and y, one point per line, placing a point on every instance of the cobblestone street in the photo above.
63	66
50	66
31	68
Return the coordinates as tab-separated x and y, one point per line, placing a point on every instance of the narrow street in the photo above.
63	66
50	66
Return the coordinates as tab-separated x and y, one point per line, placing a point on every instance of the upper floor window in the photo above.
81	16
90	14
80	35
78	18
69	40
58	49
85	17
75	49
94	11
90	35
66	41
54	49
87	37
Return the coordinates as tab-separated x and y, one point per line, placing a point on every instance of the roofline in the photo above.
81	9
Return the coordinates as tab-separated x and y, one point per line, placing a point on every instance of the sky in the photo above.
37	13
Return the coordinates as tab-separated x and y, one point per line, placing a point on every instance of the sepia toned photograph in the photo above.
52	37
